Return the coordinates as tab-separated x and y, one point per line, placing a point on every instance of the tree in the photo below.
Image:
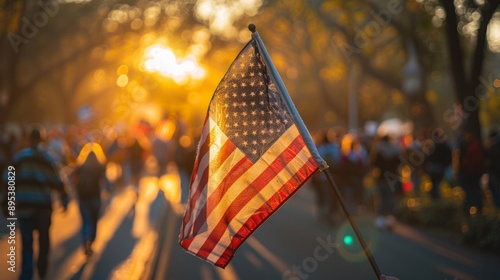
469	89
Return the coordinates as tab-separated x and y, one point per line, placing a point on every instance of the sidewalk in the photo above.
126	236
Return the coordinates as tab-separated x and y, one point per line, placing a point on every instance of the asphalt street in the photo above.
137	239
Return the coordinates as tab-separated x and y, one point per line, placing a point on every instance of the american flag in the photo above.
251	159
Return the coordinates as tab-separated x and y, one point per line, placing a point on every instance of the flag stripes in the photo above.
261	214
241	189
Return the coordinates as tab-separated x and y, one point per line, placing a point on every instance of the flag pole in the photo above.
323	166
361	240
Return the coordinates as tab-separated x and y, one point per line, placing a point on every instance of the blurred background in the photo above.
344	63
136	77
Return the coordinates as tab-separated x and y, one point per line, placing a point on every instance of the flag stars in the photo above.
253	114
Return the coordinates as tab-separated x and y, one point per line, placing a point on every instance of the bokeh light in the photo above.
161	59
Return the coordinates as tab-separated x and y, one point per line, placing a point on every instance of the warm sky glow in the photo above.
162	60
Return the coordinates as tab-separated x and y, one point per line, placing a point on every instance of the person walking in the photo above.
135	160
438	160
89	178
36	178
384	158
470	170
493	166
329	149
352	168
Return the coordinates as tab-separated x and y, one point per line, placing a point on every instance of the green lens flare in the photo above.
348	240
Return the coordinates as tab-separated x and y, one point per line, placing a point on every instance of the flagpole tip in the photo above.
252	27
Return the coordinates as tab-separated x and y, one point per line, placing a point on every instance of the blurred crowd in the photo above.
83	164
127	150
375	172
372	173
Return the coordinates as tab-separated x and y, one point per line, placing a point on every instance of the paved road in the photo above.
138	240
293	238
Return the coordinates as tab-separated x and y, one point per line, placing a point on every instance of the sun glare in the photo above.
162	60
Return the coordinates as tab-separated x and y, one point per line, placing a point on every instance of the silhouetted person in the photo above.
89	177
36	178
135	158
329	149
470	171
384	156
437	162
352	169
413	154
493	166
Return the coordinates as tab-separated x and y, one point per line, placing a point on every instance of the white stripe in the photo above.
214	176
245	180
264	195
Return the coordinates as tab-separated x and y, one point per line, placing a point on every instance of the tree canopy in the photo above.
132	60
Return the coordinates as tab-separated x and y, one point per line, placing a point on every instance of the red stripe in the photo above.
267	209
215	163
234	174
202	150
248	192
